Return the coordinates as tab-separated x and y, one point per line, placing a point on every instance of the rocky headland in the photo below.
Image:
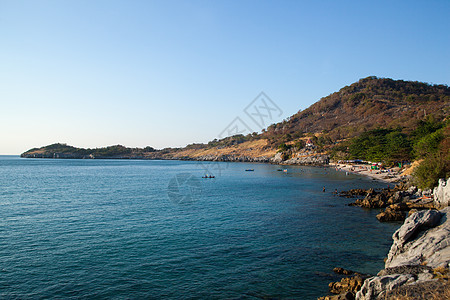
417	265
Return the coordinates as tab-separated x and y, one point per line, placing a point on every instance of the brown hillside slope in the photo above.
368	104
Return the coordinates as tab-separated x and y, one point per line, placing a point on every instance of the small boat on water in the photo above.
249	170
279	170
285	170
209	176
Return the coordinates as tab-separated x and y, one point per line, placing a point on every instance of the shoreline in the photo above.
389	175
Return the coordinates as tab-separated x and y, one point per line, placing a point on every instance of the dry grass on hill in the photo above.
257	148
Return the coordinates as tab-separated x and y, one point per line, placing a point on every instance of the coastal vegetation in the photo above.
62	150
428	143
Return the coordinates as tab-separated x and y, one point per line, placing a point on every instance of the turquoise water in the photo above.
156	229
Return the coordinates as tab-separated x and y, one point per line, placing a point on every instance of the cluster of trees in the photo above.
367	104
381	145
432	144
109	151
428	143
234	140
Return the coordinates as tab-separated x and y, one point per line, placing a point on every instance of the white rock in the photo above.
414	223
431	246
277	158
441	193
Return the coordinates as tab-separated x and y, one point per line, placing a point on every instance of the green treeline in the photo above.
110	151
429	143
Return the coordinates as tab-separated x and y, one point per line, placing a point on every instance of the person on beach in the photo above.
323	189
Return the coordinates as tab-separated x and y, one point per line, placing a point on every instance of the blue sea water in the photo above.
156	229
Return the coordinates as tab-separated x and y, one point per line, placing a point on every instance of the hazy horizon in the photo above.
170	73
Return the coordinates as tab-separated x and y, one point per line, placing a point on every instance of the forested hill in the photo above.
367	104
59	150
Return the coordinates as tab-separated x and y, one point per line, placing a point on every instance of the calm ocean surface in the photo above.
156	229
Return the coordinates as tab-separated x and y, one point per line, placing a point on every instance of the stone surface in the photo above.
278	158
376	287
415	243
441	193
412	269
348	284
318	159
394	212
420	245
414	223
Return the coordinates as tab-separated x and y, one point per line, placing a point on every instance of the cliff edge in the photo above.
417	266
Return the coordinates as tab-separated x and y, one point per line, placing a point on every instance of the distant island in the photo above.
374	119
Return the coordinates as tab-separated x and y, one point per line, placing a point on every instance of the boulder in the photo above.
417	242
441	194
391	216
278	158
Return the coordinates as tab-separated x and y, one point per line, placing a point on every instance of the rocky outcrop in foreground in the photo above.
398	203
417	266
419	257
442	193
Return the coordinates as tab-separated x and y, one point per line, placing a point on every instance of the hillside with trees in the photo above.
374	119
368	104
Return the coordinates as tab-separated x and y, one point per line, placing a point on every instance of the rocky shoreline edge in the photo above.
417	265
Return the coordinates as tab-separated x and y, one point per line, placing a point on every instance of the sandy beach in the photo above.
390	175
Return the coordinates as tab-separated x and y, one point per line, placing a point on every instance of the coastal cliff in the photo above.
417	265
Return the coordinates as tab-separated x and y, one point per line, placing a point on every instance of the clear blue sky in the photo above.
168	73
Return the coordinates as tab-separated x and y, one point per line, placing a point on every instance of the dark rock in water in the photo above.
348	284
353	193
343	271
372	201
381	199
394	212
391	216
